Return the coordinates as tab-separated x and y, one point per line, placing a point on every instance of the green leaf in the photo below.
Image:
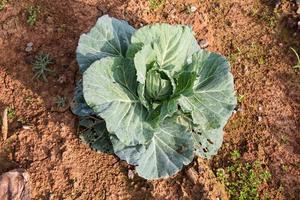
131	154
95	134
168	151
185	83
168	108
208	142
213	100
109	37
79	106
142	59
109	88
132	50
172	44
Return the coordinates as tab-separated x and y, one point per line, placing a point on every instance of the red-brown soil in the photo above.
43	139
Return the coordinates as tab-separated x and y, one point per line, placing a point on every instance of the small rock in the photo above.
26	127
15	184
192	175
277	3
193	8
260	108
298	11
203	44
30	44
130	174
62	79
259	118
28	49
141	24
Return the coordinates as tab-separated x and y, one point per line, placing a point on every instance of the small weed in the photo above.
284	168
265	15
284	139
257	52
297	66
3	3
11	113
240	98
155	4
32	14
60	102
235	155
40	66
234	56
243	180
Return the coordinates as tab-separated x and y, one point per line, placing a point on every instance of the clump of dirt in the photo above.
265	127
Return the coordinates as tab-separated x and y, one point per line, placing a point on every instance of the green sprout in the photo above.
32	13
240	98
297	66
11	113
3	4
60	101
235	155
243	180
40	66
154	4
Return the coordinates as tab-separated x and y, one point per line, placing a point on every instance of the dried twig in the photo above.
4	124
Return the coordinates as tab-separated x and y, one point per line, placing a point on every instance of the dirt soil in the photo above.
43	139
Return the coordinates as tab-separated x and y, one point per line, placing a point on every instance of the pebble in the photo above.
298	11
260	108
28	49
259	118
30	44
192	175
193	8
130	174
277	3
203	44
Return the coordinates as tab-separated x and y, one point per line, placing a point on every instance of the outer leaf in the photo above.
173	45
109	88
131	154
207	143
213	99
170	148
95	134
109	37
79	106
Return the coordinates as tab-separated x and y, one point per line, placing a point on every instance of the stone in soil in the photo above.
15	185
204	44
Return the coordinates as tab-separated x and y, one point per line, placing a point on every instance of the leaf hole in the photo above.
211	142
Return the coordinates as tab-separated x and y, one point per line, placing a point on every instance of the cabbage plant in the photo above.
151	96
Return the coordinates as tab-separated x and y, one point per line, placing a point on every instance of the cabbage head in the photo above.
151	96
